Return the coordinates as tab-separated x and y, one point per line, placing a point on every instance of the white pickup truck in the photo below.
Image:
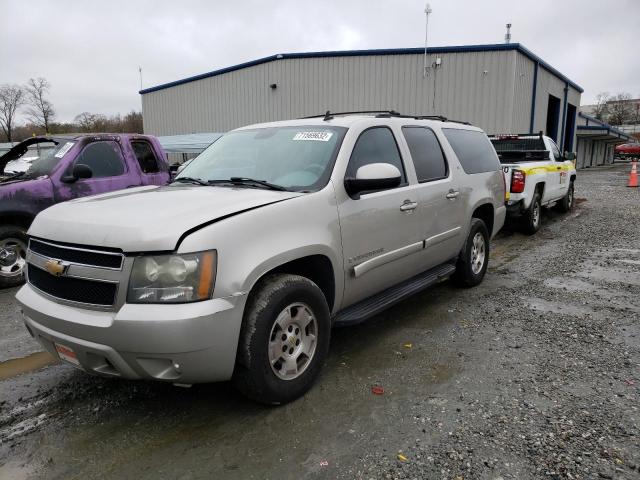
536	175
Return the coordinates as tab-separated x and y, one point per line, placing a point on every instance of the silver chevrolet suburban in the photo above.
277	232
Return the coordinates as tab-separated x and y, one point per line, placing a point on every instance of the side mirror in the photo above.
374	176
79	171
569	156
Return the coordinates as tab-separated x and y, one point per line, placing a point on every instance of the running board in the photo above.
371	306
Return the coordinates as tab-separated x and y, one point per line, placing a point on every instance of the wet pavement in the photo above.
533	374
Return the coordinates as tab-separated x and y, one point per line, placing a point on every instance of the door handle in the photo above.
408	206
453	194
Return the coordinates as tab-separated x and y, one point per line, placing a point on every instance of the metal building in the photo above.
502	88
597	141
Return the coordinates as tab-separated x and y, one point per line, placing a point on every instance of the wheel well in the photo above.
19	219
316	268
540	189
573	178
485	213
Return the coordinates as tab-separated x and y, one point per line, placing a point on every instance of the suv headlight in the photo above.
173	278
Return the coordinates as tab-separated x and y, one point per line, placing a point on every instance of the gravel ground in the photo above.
533	374
555	393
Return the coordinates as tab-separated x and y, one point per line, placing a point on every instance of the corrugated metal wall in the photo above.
549	84
490	89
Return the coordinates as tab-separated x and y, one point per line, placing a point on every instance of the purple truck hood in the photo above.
146	218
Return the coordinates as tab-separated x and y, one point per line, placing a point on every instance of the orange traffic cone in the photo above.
633	176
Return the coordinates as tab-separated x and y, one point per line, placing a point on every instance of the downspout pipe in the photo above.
533	96
564	116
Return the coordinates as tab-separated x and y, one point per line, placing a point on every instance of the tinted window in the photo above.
146	157
426	153
376	145
103	158
473	149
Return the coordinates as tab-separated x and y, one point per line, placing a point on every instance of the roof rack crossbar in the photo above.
328	115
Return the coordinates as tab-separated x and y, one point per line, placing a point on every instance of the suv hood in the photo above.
147	218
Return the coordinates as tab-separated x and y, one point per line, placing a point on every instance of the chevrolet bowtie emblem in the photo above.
55	267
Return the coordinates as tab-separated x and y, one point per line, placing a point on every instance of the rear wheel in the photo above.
13	255
284	339
566	204
532	219
474	258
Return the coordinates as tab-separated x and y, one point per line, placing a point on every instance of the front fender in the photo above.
25	199
253	243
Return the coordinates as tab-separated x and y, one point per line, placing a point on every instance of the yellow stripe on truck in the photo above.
543	169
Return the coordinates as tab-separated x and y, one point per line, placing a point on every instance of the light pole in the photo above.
427	12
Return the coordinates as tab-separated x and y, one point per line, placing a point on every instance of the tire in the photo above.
273	328
566	204
532	219
13	263
470	268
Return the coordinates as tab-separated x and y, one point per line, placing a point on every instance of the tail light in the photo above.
517	181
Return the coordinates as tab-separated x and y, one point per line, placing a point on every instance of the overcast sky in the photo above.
90	51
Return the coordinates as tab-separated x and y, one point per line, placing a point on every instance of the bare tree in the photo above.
87	121
11	98
600	109
41	110
620	109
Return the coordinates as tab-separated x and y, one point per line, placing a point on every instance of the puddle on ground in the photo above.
16	471
556	307
570	284
609	276
30	363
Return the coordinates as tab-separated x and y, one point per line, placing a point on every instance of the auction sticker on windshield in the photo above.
65	353
316	136
63	151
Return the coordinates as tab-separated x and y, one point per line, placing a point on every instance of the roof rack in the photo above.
328	115
538	134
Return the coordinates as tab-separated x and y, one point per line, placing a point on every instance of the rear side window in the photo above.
146	157
103	158
426	153
473	149
375	145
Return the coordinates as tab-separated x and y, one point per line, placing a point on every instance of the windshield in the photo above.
48	160
296	158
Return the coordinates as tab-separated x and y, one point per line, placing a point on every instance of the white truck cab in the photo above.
536	175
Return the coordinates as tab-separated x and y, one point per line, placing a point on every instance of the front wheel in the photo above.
284	339
474	258
13	255
566	204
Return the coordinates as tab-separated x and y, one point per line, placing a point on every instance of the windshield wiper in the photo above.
250	181
197	181
12	176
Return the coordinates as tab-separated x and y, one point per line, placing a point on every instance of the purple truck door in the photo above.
109	171
146	155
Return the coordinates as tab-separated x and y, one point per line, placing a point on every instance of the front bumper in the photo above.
187	343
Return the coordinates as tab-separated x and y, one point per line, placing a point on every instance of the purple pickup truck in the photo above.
74	167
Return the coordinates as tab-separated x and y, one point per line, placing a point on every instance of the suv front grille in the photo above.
73	289
76	255
79	275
